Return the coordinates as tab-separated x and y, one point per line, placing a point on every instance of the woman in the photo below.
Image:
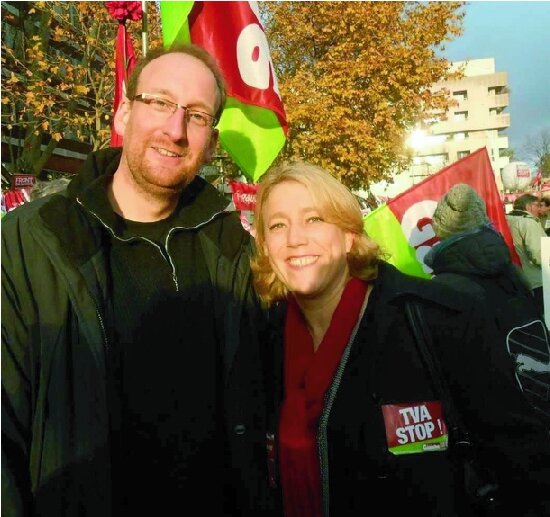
359	421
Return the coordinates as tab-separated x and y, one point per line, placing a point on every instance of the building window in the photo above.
462	154
462	95
495	111
497	90
460	115
460	136
437	160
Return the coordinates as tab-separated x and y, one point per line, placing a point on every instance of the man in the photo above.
526	233
130	363
543	214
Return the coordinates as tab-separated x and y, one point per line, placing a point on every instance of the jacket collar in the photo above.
199	202
522	213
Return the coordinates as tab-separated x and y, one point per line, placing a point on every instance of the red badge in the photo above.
415	427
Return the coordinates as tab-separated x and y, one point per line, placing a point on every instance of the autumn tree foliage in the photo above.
58	77
355	77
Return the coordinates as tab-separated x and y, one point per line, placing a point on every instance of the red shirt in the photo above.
308	374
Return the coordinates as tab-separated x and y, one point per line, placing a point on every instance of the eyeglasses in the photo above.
167	108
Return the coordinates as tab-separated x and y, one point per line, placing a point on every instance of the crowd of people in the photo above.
158	358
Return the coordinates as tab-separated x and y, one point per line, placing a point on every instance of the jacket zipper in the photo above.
103	331
166	256
323	419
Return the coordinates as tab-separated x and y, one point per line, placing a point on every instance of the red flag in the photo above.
537	180
244	195
244	199
253	126
403	226
230	31
125	58
13	198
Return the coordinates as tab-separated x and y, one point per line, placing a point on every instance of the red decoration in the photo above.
125	58
123	11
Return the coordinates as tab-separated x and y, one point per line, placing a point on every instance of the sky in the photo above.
517	35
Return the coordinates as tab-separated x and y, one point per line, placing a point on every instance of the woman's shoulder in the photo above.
396	285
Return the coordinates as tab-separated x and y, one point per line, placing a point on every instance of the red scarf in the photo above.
308	375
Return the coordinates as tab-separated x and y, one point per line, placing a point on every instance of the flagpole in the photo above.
144	27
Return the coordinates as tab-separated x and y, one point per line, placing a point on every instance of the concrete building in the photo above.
477	120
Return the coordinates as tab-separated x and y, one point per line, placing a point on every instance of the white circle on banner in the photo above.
253	72
409	223
418	236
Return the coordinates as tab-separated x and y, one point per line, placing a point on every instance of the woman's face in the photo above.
307	254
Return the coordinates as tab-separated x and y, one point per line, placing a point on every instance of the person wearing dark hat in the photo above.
459	210
470	246
513	368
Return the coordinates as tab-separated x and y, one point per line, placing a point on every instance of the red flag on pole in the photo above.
403	227
125	58
253	126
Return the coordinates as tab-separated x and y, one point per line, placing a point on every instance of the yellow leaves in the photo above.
58	34
67	56
80	89
350	76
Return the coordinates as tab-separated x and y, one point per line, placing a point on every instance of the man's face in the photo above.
543	209
534	208
162	154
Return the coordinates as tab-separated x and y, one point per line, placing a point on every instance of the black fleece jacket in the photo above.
56	333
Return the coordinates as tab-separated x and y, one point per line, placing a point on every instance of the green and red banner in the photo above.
253	126
403	226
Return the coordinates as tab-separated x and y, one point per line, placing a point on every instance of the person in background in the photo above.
470	246
473	257
131	368
358	417
526	233
544	208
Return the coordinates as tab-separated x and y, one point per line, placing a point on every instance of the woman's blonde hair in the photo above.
336	204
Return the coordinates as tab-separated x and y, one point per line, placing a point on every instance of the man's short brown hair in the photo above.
526	199
191	50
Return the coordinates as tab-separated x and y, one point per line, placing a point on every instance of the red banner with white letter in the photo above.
403	227
253	126
231	32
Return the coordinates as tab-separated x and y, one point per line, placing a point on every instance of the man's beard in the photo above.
150	181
